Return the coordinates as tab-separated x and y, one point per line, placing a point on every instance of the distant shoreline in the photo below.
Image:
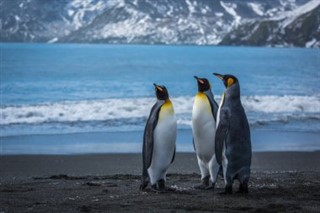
160	45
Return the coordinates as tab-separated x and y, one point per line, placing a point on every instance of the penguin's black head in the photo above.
161	92
203	84
228	80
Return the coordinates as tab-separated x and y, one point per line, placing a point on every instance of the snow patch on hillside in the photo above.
83	12
257	8
290	16
230	8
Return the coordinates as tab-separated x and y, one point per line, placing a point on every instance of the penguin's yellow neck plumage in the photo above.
202	101
200	95
166	110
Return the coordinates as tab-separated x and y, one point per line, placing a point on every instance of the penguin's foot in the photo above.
154	188
143	185
204	184
159	187
210	187
227	190
243	188
200	186
157	190
162	186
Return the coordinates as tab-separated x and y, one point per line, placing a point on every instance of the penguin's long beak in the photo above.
157	87
218	75
198	79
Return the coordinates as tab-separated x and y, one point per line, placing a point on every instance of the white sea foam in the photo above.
264	107
73	111
278	104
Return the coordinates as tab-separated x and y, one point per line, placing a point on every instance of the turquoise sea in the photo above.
95	98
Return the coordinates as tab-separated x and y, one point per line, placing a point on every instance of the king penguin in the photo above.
159	141
204	115
232	142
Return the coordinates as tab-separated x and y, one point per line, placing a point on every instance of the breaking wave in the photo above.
261	110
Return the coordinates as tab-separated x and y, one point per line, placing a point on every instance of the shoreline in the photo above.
131	142
22	167
280	182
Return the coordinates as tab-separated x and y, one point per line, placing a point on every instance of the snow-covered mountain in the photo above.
44	20
299	27
210	22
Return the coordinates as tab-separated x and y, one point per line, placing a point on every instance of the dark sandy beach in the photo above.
280	182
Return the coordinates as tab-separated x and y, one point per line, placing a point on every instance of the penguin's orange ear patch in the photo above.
230	82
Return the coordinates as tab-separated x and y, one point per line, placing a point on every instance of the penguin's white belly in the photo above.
164	139
203	128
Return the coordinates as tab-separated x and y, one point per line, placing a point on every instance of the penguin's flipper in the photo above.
221	134
174	155
194	146
147	149
213	104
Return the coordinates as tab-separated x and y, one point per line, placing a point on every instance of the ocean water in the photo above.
98	97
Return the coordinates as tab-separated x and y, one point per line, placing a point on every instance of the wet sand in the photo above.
280	182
